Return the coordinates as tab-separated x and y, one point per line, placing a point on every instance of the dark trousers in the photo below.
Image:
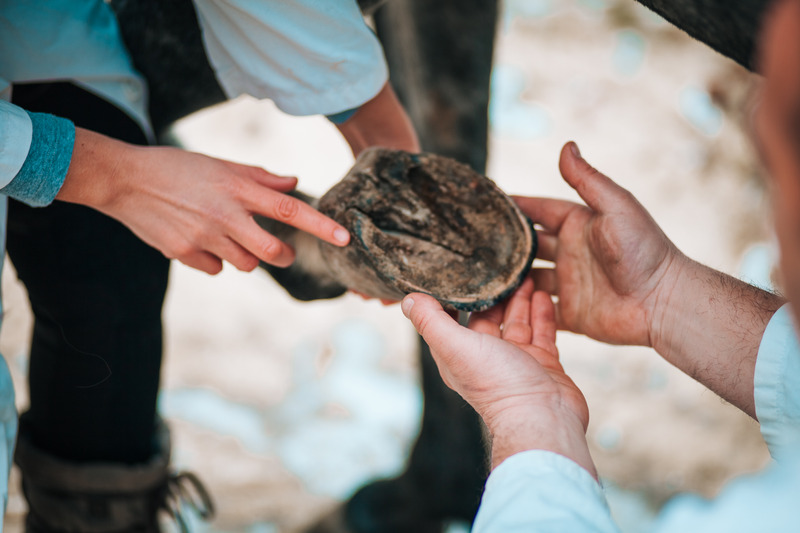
96	291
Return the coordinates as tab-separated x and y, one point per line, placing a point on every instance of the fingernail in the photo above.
575	150
406	306
341	235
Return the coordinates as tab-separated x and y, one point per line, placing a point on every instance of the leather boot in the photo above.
68	497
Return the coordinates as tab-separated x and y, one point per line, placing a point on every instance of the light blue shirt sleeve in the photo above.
777	385
16	132
767	501
74	40
14	119
537	491
8	423
38	156
308	56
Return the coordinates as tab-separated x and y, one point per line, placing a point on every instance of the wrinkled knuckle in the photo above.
627	196
237	188
200	238
170	252
585	166
255	172
182	250
219	217
270	250
287	208
249	264
421	322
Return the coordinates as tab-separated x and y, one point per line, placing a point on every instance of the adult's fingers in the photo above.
234	254
489	321
544	321
260	243
443	334
364	296
596	189
204	261
517	319
263	177
548	246
560	324
297	213
545	279
548	212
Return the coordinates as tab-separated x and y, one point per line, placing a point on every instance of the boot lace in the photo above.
185	494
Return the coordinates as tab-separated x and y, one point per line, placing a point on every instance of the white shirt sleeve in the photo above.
542	491
537	491
16	133
308	56
777	385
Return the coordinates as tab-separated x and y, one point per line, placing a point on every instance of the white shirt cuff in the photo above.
538	490
16	133
777	384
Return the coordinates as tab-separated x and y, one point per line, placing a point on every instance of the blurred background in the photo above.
285	408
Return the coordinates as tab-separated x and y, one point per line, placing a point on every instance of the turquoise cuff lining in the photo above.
45	168
342	117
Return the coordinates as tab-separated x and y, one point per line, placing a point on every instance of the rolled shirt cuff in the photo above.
45	167
538	490
344	116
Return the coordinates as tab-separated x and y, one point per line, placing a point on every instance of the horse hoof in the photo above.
418	223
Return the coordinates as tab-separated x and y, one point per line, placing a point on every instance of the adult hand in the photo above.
506	366
619	279
612	262
191	207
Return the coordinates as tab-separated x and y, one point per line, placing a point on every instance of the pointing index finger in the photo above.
296	213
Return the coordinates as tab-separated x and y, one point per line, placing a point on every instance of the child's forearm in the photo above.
381	121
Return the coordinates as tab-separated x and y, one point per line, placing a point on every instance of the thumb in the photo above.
442	333
596	189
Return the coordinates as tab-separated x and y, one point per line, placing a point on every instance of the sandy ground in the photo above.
284	408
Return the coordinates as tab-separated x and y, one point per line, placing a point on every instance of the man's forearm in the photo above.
710	325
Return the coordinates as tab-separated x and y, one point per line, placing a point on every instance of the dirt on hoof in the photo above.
427	223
